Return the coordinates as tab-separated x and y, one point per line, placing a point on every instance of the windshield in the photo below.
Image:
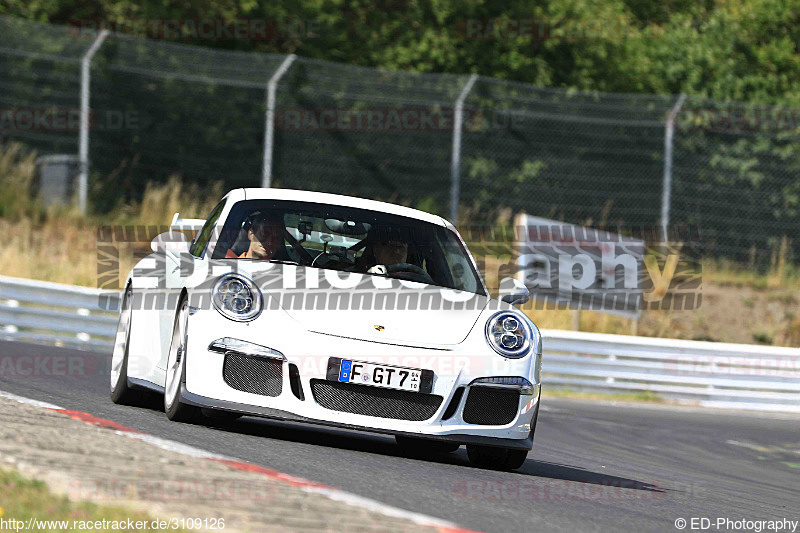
347	239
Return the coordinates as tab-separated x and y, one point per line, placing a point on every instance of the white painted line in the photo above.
172	446
28	401
378	507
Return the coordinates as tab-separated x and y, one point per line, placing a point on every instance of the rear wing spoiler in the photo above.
186	223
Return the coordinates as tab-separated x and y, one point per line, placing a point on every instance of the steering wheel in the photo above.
409	272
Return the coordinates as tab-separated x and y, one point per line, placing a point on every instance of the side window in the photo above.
201	240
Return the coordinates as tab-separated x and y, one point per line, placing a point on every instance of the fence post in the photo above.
269	126
666	197
83	143
455	162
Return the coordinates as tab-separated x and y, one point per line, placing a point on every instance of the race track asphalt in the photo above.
595	466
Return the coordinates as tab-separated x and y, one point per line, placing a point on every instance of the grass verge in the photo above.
571	394
25	499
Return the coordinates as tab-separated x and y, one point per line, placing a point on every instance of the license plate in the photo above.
378	375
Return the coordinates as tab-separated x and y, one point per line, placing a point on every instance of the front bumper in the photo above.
277	414
455	367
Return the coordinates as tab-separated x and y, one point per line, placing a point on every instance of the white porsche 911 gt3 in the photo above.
336	311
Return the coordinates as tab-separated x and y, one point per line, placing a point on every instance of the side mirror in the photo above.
513	291
174	242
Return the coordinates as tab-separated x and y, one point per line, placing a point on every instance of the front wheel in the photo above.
121	392
176	410
496	458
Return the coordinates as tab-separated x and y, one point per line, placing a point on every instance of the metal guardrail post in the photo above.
269	126
83	148
666	197
455	162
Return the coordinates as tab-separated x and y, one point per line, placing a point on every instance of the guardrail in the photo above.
66	315
740	376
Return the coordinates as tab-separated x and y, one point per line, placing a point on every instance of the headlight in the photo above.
236	297
509	334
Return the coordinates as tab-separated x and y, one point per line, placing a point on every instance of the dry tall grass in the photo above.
58	243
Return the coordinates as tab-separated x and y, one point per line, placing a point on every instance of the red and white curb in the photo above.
197	453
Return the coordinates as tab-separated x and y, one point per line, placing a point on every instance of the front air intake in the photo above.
256	375
491	406
375	401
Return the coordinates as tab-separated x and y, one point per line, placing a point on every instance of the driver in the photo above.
265	237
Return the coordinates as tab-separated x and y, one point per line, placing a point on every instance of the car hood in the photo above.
371	308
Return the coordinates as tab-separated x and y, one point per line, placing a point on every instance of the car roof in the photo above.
341	200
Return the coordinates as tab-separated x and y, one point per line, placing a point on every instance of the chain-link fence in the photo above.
587	158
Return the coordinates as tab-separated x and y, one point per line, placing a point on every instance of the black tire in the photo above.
515	459
496	458
419	445
121	391
175	409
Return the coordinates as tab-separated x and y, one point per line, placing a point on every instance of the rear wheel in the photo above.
421	445
175	409
121	392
